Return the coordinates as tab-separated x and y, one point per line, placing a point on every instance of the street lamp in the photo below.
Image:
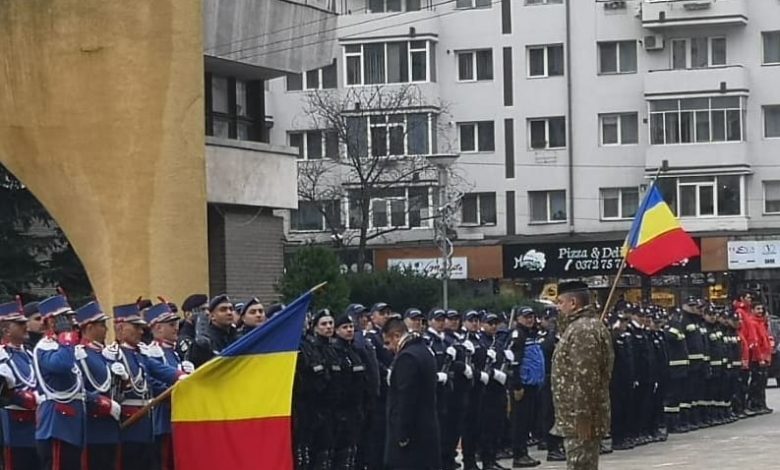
443	222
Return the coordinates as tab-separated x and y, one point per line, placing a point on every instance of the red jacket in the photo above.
747	331
764	340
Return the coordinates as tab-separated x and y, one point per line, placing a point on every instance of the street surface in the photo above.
746	444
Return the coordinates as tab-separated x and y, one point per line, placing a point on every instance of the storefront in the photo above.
536	268
469	263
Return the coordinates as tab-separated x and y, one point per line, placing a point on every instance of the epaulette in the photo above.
515	334
47	344
143	348
153	350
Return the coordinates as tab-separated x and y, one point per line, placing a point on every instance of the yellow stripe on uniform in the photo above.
239	387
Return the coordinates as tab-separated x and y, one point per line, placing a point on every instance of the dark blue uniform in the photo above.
18	417
166	354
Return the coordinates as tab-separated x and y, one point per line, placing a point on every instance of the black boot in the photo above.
524	461
556	455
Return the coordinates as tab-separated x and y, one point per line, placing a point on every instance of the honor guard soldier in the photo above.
250	315
101	379
18	417
60	427
218	333
192	308
472	429
136	450
378	316
164	324
34	324
445	355
413	318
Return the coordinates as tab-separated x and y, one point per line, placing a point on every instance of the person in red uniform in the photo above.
760	358
742	307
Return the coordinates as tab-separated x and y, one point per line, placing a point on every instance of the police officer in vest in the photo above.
217	334
101	381
527	375
164	324
136	449
494	400
462	379
549	337
378	315
18	417
60	427
472	429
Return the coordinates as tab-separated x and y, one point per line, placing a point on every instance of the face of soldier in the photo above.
414	324
130	333
223	315
95	331
167	331
437	324
254	316
35	323
527	321
452	324
379	318
490	328
363	322
472	325
324	327
15	332
567	304
346	331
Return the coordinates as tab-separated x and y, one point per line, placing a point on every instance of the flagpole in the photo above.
156	401
662	167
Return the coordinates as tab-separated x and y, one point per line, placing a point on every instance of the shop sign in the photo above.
753	254
431	267
571	260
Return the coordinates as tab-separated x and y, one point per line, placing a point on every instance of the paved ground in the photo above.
745	445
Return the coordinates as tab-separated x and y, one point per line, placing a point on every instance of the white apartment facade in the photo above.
561	114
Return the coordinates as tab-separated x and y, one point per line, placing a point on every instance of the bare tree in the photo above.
377	140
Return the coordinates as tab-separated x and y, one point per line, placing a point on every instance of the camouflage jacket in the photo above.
581	373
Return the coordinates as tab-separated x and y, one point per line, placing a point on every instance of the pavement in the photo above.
746	444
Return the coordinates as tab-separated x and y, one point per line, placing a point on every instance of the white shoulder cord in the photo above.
64	396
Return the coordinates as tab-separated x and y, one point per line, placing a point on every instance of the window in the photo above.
772	197
698	53
772	121
391	62
703	196
381	6
771	47
315	215
316	79
313	145
476	136
619	129
617	57
478	209
473	3
547	206
393	208
545	61
234	108
398	134
475	65
696	120
547	133
619	203
542	2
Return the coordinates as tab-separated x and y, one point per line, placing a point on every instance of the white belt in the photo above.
17	408
76	397
681	362
135	402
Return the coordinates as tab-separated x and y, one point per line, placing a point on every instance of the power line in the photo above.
589	165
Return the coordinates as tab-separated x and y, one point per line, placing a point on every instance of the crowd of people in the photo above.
490	394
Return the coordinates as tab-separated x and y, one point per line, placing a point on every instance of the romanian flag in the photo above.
656	239
234	411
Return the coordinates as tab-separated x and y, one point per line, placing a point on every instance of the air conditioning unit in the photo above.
654	42
615	5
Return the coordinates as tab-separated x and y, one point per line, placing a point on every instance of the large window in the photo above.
696	120
771	47
619	128
476	136
704	196
381	6
313	145
478	209
698	53
617	57
386	135
393	208
619	203
316	79
475	65
547	206
234	108
547	133
772	121
545	61
542	2
315	216
389	62
772	197
473	3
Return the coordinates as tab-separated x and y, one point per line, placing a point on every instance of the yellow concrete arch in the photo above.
101	116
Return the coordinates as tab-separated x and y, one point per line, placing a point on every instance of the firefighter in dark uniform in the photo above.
717	372
677	373
218	333
462	379
732	322
641	348
323	444
472	429
697	368
524	382
494	400
548	334
193	307
623	379
311	380
658	427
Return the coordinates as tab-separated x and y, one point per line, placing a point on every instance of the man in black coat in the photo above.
412	425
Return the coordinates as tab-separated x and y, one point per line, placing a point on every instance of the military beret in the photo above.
273	309
342	319
194	301
30	309
12	311
413	313
437	313
247	305
322	313
217	300
572	286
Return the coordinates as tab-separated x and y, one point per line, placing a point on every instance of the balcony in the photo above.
675	13
705	81
251	174
714	155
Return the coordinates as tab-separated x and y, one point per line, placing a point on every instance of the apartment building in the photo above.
561	114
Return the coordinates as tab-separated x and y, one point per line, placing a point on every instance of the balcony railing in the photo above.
675	13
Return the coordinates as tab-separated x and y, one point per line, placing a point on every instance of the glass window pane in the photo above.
314	145
307	216
538	206
355	209
706	200
539	134
555	60
657	128
464	3
330	76
379	213
486	138
672	128
418	134
630	202
771	47
294	81
687	201
332	144
667	105
397	62
219	95
734	129
376	6
483	3
557	205
702	126
679	54
771	196
374	67
467	137
610	203
296	140
469	209
668	188
718	51
772	121
418	207
221	127
699	53
398	212
419	66
695	103
487	208
313	79
628	56
465	66
353	70
729	195
725	102
609	130
397	136
718	126
557	132
357	137
485	65
379	141
536	62
629	129
393	5
412	5
686	127
608	57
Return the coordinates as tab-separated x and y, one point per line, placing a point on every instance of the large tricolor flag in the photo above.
234	412
656	239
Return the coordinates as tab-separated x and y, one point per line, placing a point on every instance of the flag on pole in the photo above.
234	411
656	239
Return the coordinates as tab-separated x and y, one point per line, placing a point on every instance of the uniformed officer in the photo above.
311	379
101	381
217	334
193	308
60	418
445	355
549	337
527	375
494	400
18	417
379	314
641	406
462	380
623	379
697	368
659	375
34	324
137	451
677	372
413	318
250	315
323	444
472	429
164	325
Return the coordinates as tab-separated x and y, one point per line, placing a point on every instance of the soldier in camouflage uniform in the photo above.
581	373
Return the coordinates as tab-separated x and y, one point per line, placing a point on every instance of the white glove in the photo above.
187	366
451	352
7	374
116	410
468	372
499	376
111	352
509	355
484	378
38	399
389	373
491	354
120	371
3	354
469	346
79	353
441	377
